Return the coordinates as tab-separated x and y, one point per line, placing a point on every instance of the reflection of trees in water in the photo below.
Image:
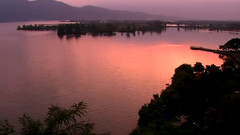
127	34
111	28
101	28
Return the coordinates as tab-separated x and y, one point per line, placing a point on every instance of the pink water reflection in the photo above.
119	77
114	76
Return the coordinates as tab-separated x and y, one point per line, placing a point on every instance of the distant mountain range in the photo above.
25	10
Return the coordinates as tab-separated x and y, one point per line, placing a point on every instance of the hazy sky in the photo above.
189	9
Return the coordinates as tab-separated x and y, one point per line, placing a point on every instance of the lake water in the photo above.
114	76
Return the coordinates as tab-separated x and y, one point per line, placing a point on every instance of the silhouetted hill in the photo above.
24	10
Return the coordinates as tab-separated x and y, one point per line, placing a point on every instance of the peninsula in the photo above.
231	49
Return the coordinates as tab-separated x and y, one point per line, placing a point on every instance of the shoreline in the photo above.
235	55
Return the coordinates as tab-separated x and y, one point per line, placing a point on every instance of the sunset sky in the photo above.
189	9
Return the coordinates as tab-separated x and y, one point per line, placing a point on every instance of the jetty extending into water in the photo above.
235	55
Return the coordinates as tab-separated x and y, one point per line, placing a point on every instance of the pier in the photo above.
235	55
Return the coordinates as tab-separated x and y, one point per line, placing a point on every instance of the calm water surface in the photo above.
115	76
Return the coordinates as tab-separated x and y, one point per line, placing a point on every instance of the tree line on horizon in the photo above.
110	28
105	28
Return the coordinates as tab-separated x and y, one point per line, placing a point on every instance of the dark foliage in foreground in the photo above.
233	44
59	121
200	101
5	127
